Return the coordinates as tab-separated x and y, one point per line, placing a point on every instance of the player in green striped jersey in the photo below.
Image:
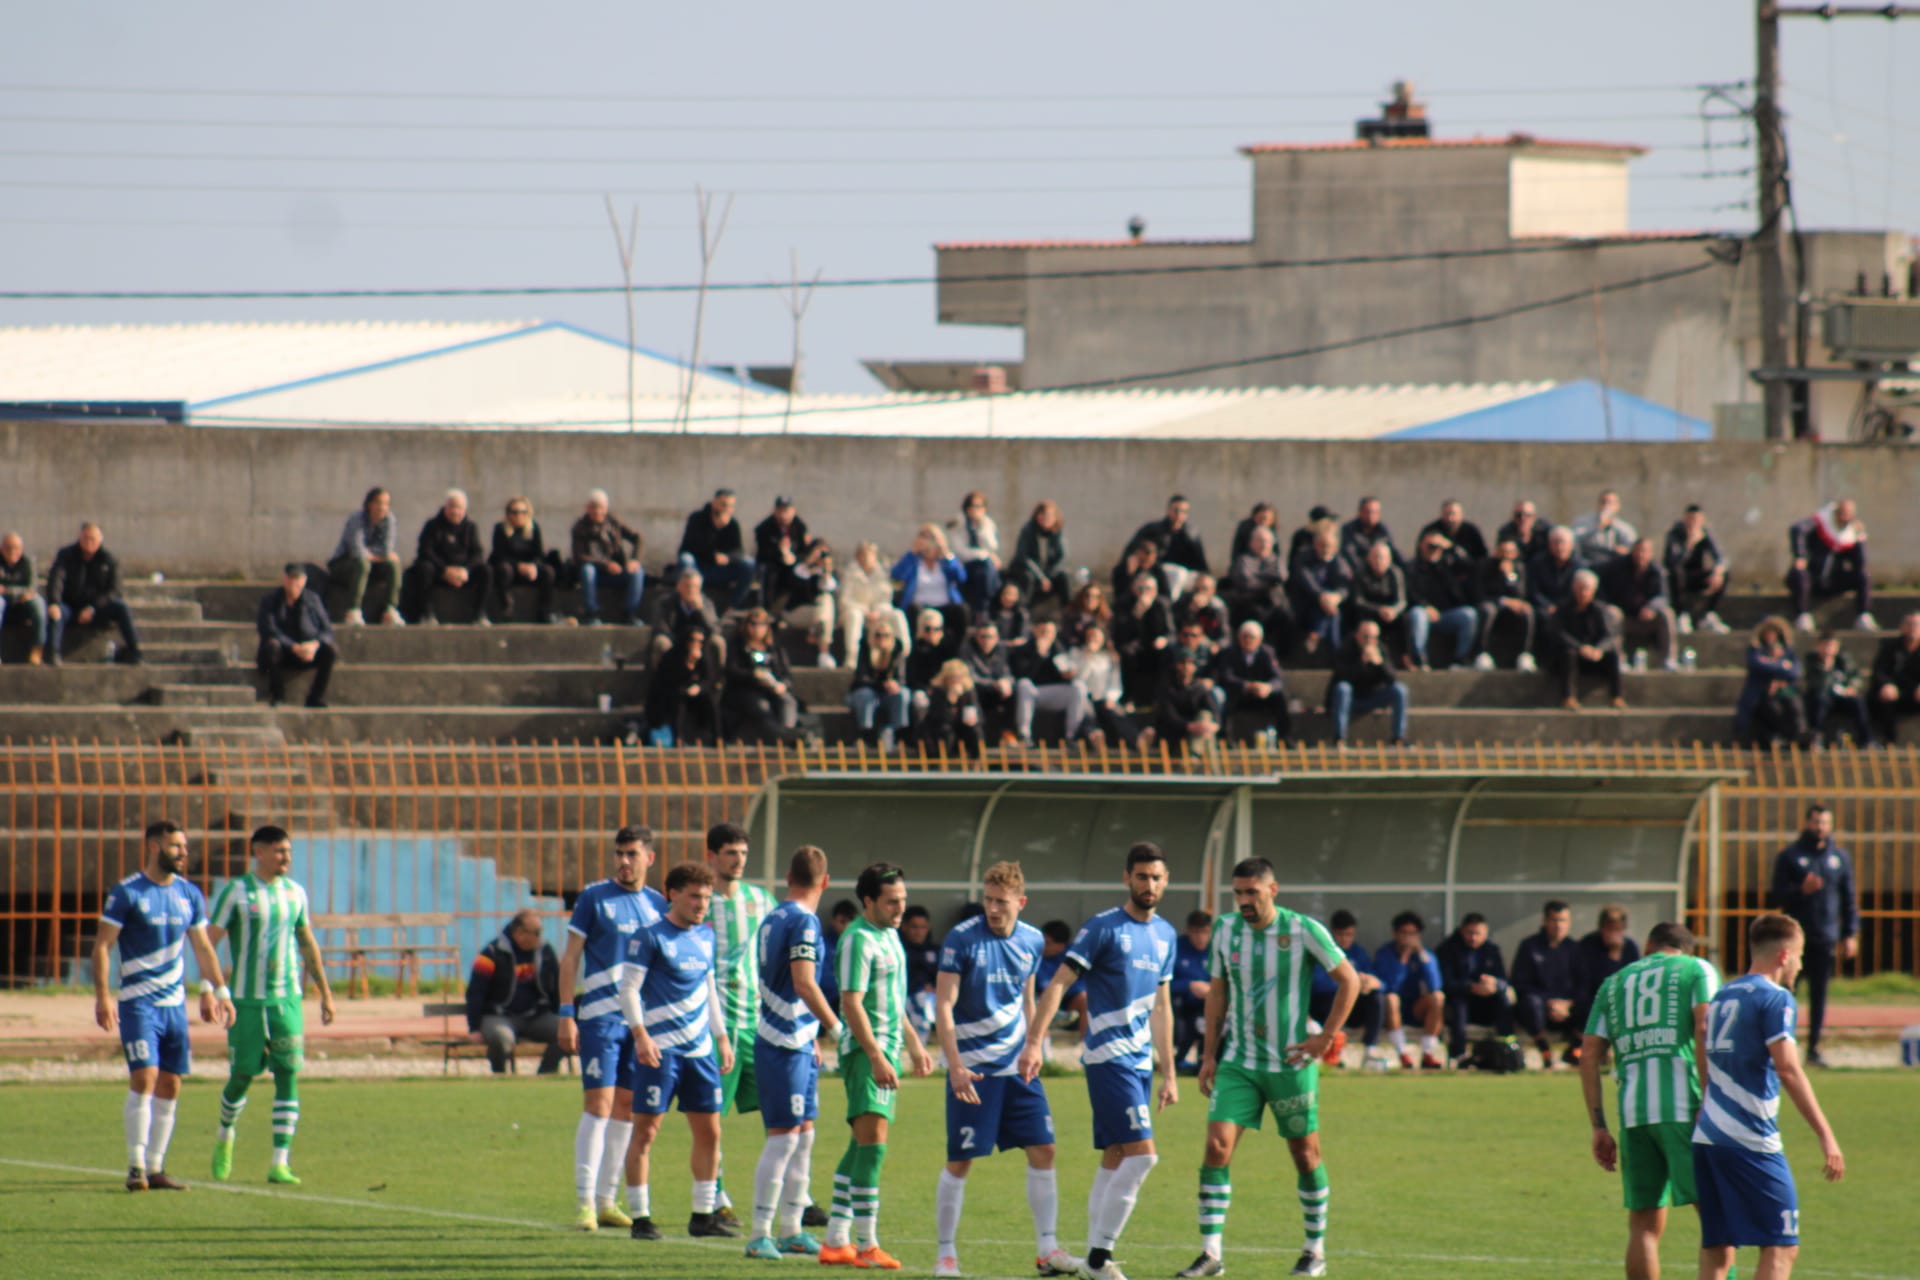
738	908
1652	1015
263	916
1262	1053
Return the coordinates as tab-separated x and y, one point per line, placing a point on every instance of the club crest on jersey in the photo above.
1160	948
669	946
1126	942
1284	941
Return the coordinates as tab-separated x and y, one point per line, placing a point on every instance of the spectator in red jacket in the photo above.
1830	559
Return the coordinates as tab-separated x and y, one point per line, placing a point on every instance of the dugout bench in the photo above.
405	942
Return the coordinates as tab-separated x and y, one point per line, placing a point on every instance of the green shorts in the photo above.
1242	1097
1656	1165
737	1087
864	1097
267	1035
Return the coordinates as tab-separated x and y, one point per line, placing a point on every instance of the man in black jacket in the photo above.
20	594
1546	983
1462	534
83	589
1475	979
1440	585
987	662
1526	530
295	635
606	553
1249	674
449	554
1813	883
1600	955
712	544
1358	535
1182	554
1363	682
1696	572
1893	692
513	994
780	543
1587	632
1183	712
1550	576
1637	586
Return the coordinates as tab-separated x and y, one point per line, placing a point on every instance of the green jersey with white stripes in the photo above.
1646	1012
735	922
869	958
262	919
1269	977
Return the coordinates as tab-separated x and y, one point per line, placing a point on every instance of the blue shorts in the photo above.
606	1054
694	1081
1744	1198
1012	1114
152	1036
789	1084
1122	1104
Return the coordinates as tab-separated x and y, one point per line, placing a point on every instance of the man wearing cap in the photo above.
295	635
780	543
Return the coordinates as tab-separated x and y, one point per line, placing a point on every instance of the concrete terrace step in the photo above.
201	695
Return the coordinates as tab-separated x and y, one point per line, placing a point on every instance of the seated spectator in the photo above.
19	598
879	698
1057	936
1361	534
864	587
1546	984
929	577
1696	572
448	555
1586	637
1462	535
606	553
1602	535
513	995
976	544
923	965
1205	608
1249	675
711	543
1526	530
1411	989
1204	651
1380	595
683	692
1302	538
1603	953
1440	588
1256	589
1183	714
1141	558
1830	559
1475	979
83	590
1089	608
1141	631
295	635
932	646
951	721
1369	1008
1836	694
1010	616
1192	971
759	700
988	664
802	597
1041	683
1363	682
1506	606
1319	585
1263	516
519	559
1896	680
1770	709
1177	545
1637	586
779	543
687	609
1095	668
1550	579
1039	565
369	552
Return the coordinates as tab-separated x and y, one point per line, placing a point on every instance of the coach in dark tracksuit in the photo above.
1546	982
1475	977
513	994
1813	883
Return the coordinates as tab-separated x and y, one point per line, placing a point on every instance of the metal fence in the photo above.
478	830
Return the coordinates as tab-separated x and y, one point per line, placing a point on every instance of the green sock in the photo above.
867	1162
233	1100
286	1111
1314	1194
1216	1192
840	1216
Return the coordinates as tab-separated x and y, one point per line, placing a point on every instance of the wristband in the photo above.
206	986
223	992
565	1011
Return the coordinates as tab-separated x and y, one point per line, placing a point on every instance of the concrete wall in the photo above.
214	502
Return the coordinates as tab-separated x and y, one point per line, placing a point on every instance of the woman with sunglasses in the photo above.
519	559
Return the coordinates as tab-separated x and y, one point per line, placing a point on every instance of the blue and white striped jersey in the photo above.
789	932
153	921
667	987
1126	964
989	1013
606	916
1742	1105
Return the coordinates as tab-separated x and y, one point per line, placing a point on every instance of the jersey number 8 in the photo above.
1647	998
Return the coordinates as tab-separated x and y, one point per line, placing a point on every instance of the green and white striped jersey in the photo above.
262	921
1269	977
1646	1012
869	958
735	922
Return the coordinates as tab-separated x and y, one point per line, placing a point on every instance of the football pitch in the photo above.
1456	1176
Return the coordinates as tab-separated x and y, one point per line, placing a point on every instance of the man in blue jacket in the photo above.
1813	883
1546	982
1192	979
1474	976
295	635
1410	987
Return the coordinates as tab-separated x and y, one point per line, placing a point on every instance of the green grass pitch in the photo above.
1459	1176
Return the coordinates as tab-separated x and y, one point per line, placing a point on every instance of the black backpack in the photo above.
1499	1055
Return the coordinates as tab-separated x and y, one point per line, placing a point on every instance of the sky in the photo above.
425	144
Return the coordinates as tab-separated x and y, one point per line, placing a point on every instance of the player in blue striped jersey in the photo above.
672	1006
153	915
983	1000
1126	955
1742	1185
605	916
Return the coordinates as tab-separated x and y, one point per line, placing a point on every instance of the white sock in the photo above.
704	1194
138	1114
1398	1036
1430	1045
796	1195
1123	1192
639	1200
770	1180
949	1195
613	1158
589	1140
282	1157
1097	1204
160	1133
1043	1201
